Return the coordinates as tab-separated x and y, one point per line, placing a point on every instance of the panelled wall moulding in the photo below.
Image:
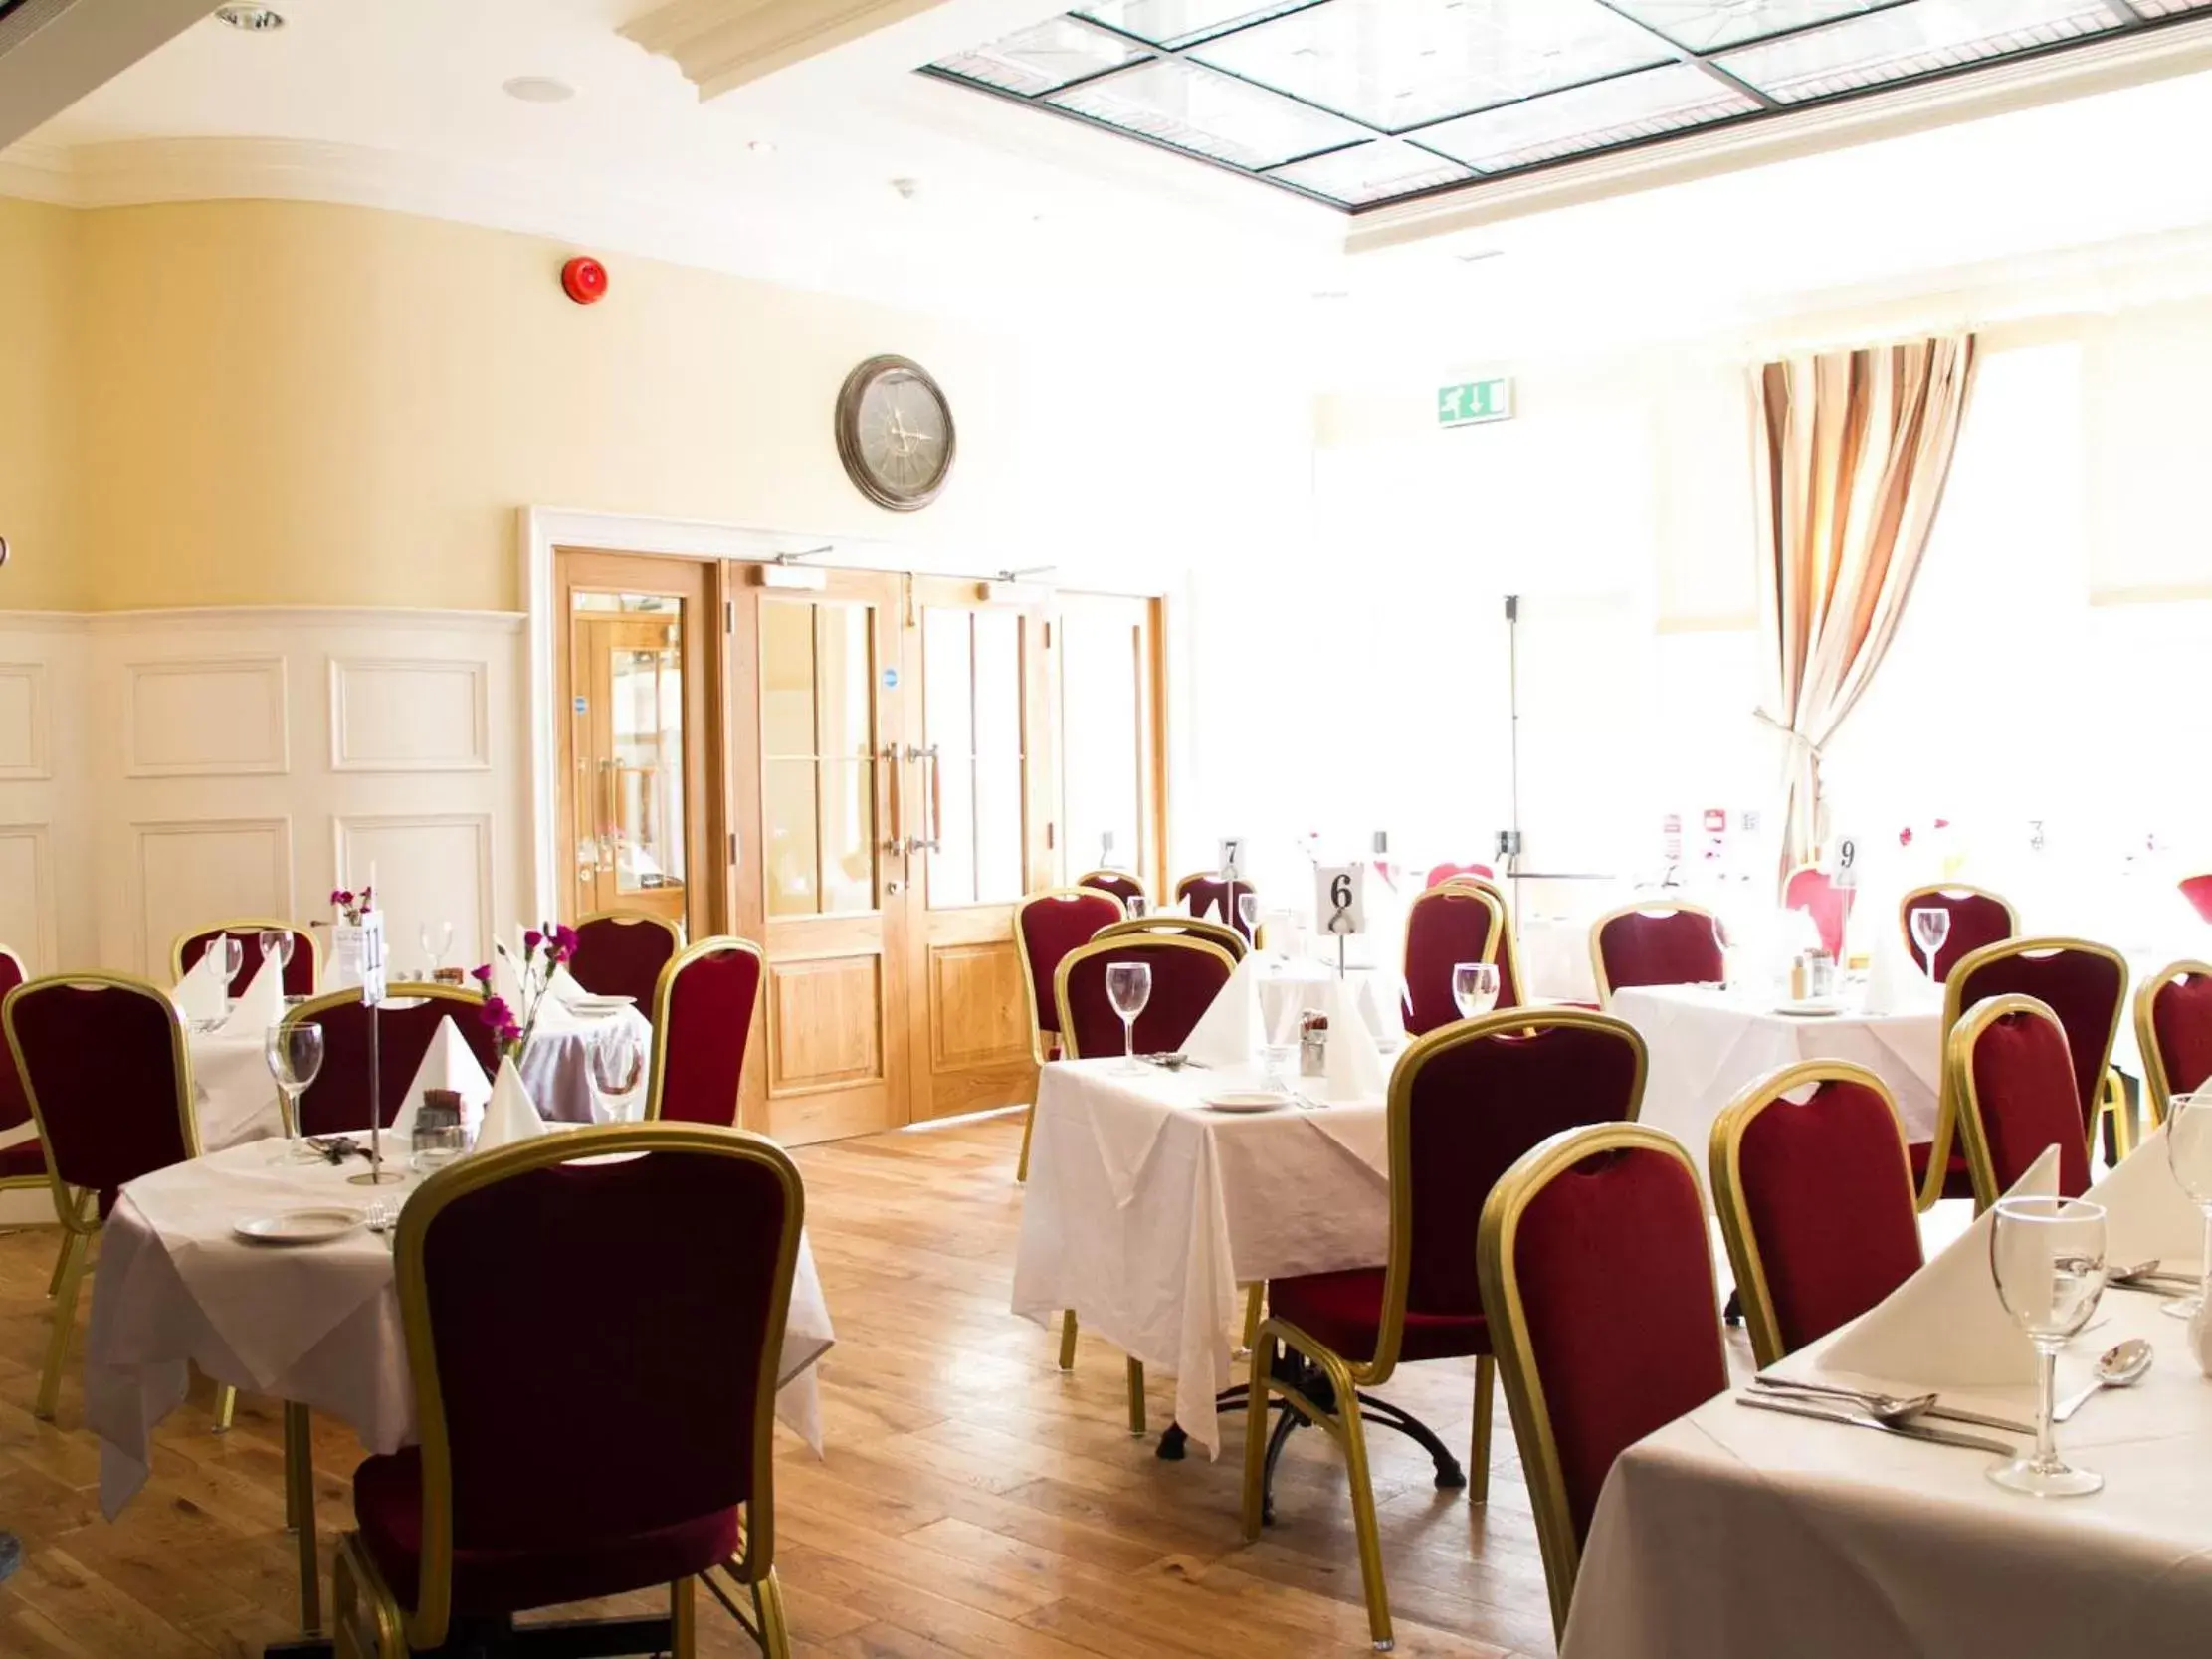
205	717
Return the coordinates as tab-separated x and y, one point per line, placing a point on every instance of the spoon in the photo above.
2121	1366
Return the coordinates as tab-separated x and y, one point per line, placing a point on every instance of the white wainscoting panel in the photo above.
29	924
190	871
432	867
25	740
209	716
401	715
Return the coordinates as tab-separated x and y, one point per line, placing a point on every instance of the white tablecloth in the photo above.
1144	1212
318	1326
1706	1046
1742	1535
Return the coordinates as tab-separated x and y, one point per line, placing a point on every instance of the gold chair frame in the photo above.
247	925
1644	906
628	917
1958	1083
1178	926
1036	1047
24	1184
1347	1377
1525	1389
369	1621
1950	890
1498	940
1946	1106
664	993
1725	1157
2157	1082
1143	886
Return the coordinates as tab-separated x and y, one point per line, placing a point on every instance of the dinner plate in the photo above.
601	1005
1809	1010
317	1224
1246	1100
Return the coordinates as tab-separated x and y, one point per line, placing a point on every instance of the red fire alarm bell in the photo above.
584	279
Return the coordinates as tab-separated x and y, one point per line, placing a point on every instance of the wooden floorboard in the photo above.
975	1501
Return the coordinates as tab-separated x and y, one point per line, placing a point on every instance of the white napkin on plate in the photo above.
1229	1033
510	1117
447	1064
203	993
2147	1213
262	1006
1355	1068
1944	1326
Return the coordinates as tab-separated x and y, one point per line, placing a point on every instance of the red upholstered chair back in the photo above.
2173	1028
621	953
1447	926
1465	1102
1439	874
337	1102
1816	1201
2012	1076
1598	1278
1211	896
1814	891
15	1105
1171	926
667	1315
1119	882
2198	891
2085	984
1656	945
701	1029
102	1060
300	969
1978	919
1047	925
1187	974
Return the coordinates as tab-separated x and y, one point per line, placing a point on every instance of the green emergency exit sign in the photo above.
1474	401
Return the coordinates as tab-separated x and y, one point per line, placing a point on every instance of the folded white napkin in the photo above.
2147	1214
565	989
1896	983
510	1115
447	1064
203	993
262	1006
1229	1033
1355	1068
1944	1328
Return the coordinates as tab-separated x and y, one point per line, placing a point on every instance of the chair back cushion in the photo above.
700	1044
299	967
15	1105
622	955
649	1287
1815	892
2198	891
2024	1095
1119	882
1170	926
1048	927
1827	1200
1447	926
1187	974
1977	918
337	1102
2181	1027
1211	896
1671	946
2085	989
101	1058
1439	874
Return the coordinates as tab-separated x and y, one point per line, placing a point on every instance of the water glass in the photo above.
1128	987
293	1051
1932	926
436	938
275	947
2190	1152
1135	904
1474	988
229	956
617	1061
2047	1258
1248	912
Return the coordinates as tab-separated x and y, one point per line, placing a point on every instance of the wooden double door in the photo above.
877	763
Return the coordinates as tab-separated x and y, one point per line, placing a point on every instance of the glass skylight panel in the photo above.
1193	109
1372	172
2168	8
1395	63
1039	59
1703	25
1174	22
1616	111
1918	39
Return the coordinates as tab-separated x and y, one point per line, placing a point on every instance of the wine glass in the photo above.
436	938
1135	904
2189	1152
1248	912
1932	926
617	1059
275	947
1128	988
2047	1258
229	956
1475	987
293	1051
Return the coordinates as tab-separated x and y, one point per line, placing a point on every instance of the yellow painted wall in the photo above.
37	266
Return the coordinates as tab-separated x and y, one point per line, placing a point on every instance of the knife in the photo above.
1915	1430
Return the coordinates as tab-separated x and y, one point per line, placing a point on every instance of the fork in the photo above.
381	1221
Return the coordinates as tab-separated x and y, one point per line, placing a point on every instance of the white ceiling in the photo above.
1023	220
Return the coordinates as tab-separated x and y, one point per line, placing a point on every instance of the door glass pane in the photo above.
848	835
786	678
1101	739
952	798
645	706
948	725
787	806
843	680
998	756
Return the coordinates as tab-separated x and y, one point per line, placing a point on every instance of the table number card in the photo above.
1340	898
1846	874
1229	866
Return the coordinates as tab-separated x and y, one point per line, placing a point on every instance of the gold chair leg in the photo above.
1136	1396
775	1626
1029	1127
1068	1340
69	1277
2114	1101
1478	1472
683	1622
226	1407
299	1506
364	1618
1257	1394
1354	1436
1255	1310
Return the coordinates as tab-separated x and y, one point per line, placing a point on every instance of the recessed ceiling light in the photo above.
255	20
538	89
762	147
1479	255
1332	293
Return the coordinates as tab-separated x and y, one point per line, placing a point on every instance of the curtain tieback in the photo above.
1802	748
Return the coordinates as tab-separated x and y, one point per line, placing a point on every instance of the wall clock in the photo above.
895	433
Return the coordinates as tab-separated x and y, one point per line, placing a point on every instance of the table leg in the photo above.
300	1492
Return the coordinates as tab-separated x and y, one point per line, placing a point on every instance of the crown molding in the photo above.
250	616
719	45
35	172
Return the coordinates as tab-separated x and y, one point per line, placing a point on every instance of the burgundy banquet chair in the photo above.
1119	882
1447	926
1598	1274
1047	925
1168	924
337	1102
703	1019
1812	889
679	1273
2173	1028
1464	1103
1209	895
621	953
1978	917
1187	974
1655	943
302	968
22	1164
1816	1201
2008	1069
1439	874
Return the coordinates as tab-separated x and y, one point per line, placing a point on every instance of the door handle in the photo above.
934	804
891	797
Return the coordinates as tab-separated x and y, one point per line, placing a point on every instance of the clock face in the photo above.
895	433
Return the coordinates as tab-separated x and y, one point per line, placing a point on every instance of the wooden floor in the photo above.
975	1499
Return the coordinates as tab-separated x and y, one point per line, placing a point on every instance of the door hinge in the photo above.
1048	633
1052	840
729	616
732	847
